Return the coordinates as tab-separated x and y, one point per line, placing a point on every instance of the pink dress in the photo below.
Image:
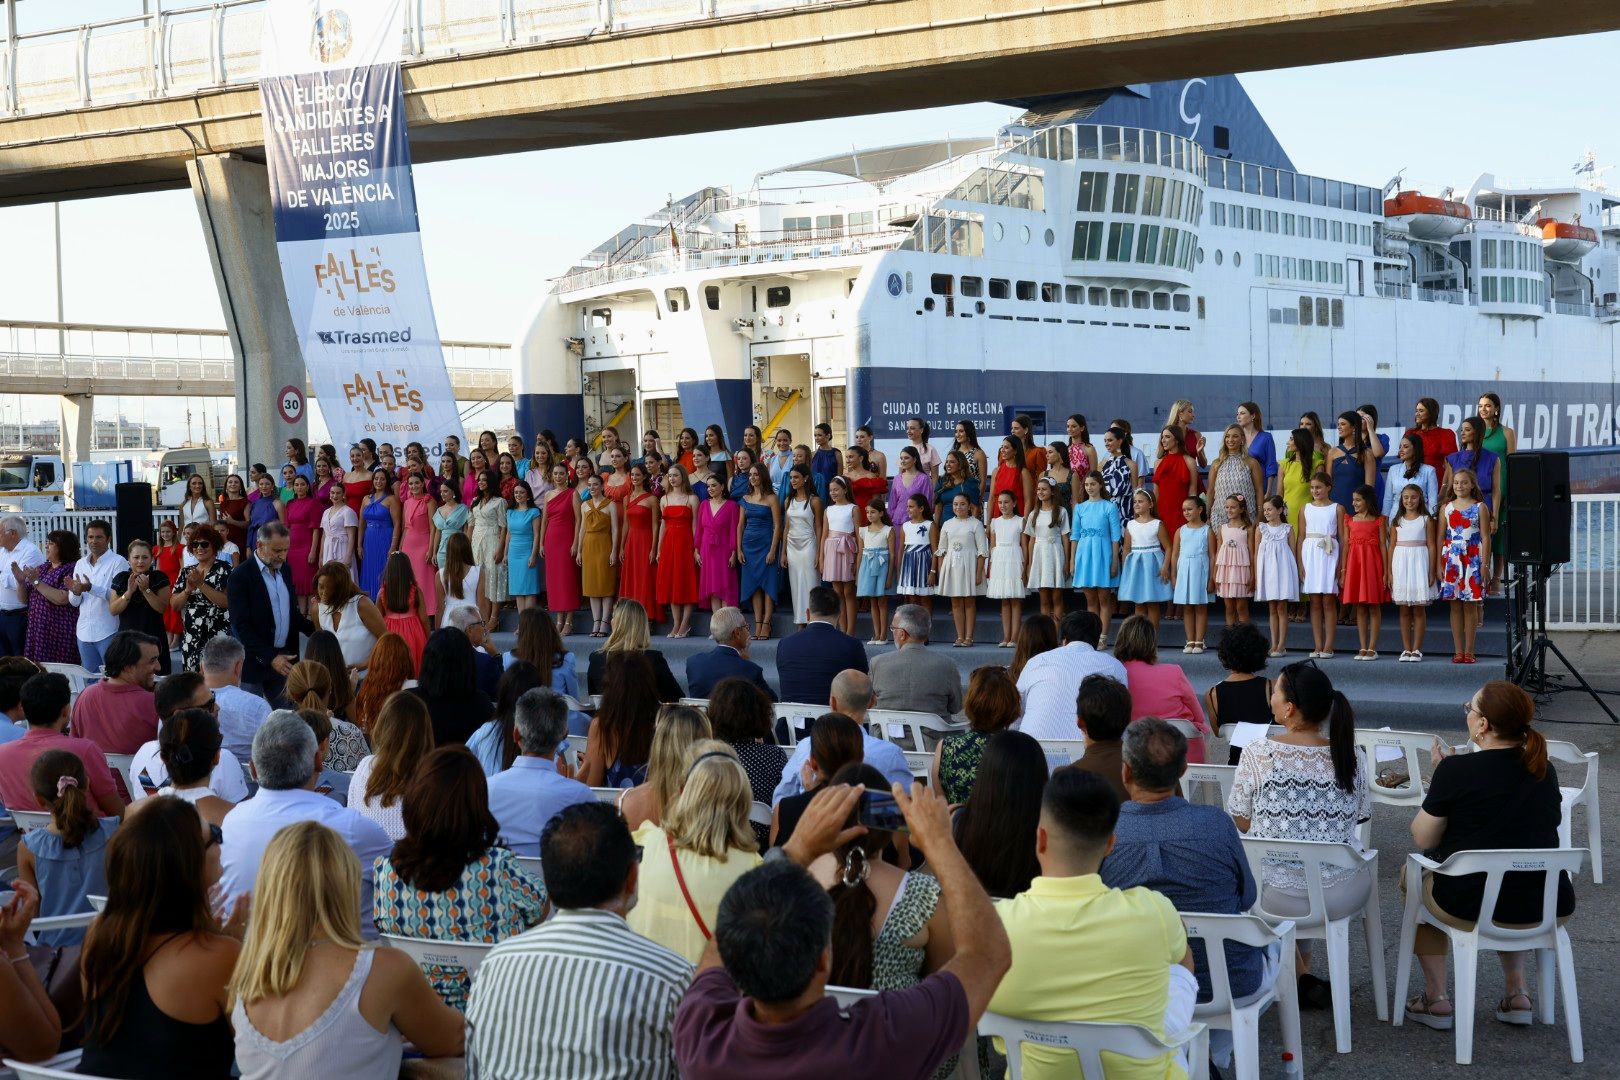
303	518
1163	690
557	541
417	533
716	544
335	546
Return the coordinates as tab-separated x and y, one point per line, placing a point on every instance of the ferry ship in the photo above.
1106	253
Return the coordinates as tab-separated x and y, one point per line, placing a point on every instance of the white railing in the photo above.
165	53
1585	593
74	521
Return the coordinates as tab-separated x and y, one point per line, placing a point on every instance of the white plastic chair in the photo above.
695	702
1061	752
1090	1041
1222	776
61	1067
530	864
795	715
1241	1016
1413	750
78	676
1567	753
1315	926
124	765
967	1062
900	725
52	923
466	955
247	775
609	795
29	820
1549	939
919	762
97	903
1192	733
759	813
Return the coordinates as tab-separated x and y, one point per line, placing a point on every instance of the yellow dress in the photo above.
596	574
1296	487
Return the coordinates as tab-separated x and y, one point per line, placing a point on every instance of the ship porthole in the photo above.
1051	237
1217	256
1024	233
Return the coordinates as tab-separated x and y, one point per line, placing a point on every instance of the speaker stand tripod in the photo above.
1529	644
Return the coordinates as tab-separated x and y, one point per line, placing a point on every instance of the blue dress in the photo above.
1095	531
872	579
1192	569
379	538
1139	580
758	528
521	578
68	875
262	512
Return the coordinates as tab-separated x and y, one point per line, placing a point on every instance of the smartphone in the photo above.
878	810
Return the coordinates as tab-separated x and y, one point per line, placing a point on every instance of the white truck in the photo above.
39	483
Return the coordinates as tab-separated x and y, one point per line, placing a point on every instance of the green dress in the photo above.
959	763
1495	441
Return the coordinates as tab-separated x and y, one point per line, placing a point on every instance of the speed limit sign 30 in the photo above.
291	404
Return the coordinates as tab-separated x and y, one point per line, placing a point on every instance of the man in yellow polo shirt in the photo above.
1083	951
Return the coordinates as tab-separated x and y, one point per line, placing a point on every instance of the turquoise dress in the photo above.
1095	531
448	524
521	578
1192	569
67	876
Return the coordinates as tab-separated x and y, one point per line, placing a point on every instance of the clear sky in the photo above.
495	229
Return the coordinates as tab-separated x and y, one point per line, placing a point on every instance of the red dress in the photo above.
303	518
863	490
168	560
1007	478
1173	481
1437	442
677	569
408	626
355	491
236	534
557	542
1364	564
637	576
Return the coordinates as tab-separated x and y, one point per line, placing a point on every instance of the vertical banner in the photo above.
345	218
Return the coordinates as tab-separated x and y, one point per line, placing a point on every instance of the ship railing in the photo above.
1392	291
723	251
1572	309
1442	296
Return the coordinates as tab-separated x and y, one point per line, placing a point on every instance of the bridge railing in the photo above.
191	49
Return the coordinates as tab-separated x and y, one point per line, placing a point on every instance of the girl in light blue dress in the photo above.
1096	533
1145	576
1194	575
875	577
522	551
64	860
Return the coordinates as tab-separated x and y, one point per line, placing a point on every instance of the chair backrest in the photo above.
797	716
1088	1040
1495	864
1196	776
575	705
466	955
695	702
1312	855
247	775
907	726
61	1067
1388	747
759	813
530	864
1215	931
849	995
52	923
609	795
1190	731
919	762
124	765
1061	752
97	903
78	676
29	820
1567	753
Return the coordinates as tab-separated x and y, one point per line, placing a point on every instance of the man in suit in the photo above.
728	658
911	678
808	661
264	615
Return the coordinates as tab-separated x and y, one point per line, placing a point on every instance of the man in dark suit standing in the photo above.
807	662
729	657
264	613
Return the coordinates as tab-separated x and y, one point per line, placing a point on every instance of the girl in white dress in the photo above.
1047	526
959	565
1410	556
1276	568
1007	565
340	531
916	553
1144	577
1321	562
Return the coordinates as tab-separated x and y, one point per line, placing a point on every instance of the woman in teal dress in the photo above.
450	518
1500	441
523	548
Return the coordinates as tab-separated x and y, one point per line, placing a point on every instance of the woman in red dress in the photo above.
170	553
557	530
637	574
1012	474
233	514
1175	477
677	564
356	481
865	482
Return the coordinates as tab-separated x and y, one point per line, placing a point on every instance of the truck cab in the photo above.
32	482
176	468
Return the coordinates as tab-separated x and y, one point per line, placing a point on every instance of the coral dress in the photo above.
1364	563
638	578
557	538
168	560
407	626
1174	483
1007	478
416	515
303	518
677	575
716	544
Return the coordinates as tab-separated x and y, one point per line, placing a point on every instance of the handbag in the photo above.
680	879
58	969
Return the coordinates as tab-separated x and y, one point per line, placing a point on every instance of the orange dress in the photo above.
637	575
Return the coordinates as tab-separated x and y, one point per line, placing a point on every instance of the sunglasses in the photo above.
216	836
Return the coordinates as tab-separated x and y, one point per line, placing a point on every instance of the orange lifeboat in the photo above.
1563	241
1427	217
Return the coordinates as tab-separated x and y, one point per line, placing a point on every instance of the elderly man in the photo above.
119	713
264	616
526	796
487	665
287	761
240	713
807	661
89	590
911	678
1050	681
851	695
16	551
729	657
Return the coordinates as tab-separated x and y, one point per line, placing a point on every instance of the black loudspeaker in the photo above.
134	515
1537	511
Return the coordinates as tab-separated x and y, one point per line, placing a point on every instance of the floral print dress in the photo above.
204	621
1461	570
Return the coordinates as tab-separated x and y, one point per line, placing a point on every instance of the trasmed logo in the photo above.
331	36
372	337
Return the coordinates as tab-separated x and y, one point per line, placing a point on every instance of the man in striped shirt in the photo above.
580	996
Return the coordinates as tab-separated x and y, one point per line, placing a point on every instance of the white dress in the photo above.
962	541
469	594
1410	572
345	624
1319	549
1276	574
1048	555
391	818
193	512
801	556
1006	580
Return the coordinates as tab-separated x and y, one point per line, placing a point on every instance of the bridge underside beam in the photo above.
802	64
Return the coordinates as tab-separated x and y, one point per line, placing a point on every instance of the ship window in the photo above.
1321	311
1217	213
1254	219
1271	221
908	282
1073	294
1268	183
1051	293
795	227
860	221
1321	228
1218	257
1119	241
1131	147
940	284
711	295
1338	230
1510	254
1487	288
1026	290
677	300
1117	298
1200	307
830	226
601	317
1139	299
1147	239
1251	179
1050	237
972	286
1487	254
1167	250
1088	238
778	296
1172	206
1338	313
1305	271
1321	270
1153	196
1237	258
1318	191
1288	224
1096	296
1125	194
1180	302
1222	139
1333	197
1093	192
1161	301
1000	288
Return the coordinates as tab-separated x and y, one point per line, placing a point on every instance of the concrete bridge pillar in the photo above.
78	430
233	200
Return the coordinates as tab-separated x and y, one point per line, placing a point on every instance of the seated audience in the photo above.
631	634
1036	635
741	715
677	728
766	1011
189	749
240	713
449	685
911	678
703	845
30	1027
852	697
1051	680
64	860
1305	784
991	705
621	732
1084	951
324	649
1103	711
330	782
446	878
495	741
309	687
1161	690
180	691
1190	854
312	999
155	965
532	792
583	964
390	671
539	644
1243	697
287	759
807	661
118	713
835	742
44	698
401	740
487	664
996	830
729	657
1503	795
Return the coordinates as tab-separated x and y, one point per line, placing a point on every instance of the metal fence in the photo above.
74	521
